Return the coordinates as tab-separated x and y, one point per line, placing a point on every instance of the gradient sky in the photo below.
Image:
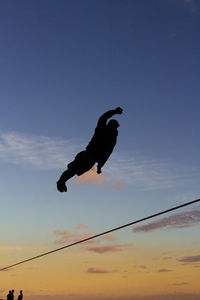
62	64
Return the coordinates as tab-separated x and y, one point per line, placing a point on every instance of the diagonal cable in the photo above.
100	234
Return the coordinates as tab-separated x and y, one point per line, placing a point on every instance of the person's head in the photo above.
21	292
113	124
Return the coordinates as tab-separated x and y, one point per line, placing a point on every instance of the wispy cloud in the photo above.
39	152
108	248
43	152
143	173
190	259
97	270
179	283
109	237
67	236
164	270
81	226
70	237
182	220
118	185
142	267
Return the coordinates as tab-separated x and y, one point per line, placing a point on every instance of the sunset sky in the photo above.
63	64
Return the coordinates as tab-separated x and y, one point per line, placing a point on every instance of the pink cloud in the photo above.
108	248
183	220
109	237
67	236
90	177
118	185
70	236
81	226
100	270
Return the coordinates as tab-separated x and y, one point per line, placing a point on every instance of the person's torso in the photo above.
103	139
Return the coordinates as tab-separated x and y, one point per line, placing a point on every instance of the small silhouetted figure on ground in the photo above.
10	296
97	151
20	297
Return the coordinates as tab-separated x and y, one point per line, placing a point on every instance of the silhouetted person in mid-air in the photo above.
20	297
97	151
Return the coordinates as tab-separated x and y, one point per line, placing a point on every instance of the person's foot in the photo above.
61	186
98	170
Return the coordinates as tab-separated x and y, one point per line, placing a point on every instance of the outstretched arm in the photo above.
103	119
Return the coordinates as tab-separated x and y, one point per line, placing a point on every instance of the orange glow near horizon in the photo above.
132	272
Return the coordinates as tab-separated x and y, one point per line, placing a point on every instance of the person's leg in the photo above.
82	163
66	175
85	163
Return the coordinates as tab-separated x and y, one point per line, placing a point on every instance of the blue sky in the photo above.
65	63
61	59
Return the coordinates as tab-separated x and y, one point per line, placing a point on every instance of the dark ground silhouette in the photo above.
10	295
20	297
97	151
